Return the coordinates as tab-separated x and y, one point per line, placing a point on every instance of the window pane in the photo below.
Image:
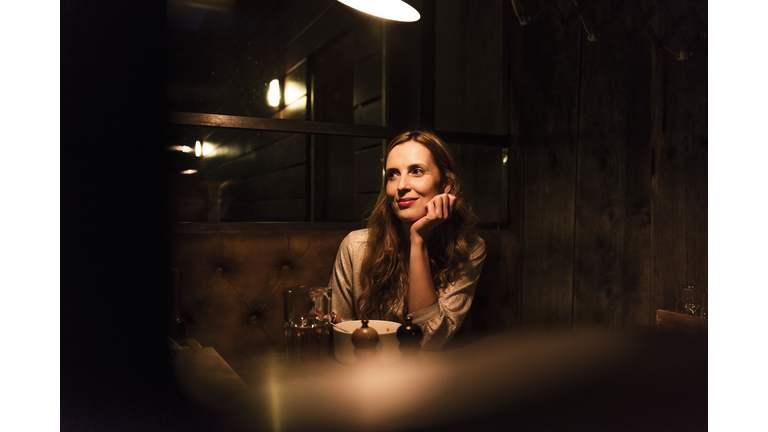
246	175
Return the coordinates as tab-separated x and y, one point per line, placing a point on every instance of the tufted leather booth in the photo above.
230	282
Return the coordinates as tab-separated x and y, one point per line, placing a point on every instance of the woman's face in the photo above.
413	180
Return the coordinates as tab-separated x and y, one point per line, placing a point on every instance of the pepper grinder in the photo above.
410	336
365	340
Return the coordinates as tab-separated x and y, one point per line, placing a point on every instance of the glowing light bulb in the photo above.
395	10
198	149
273	95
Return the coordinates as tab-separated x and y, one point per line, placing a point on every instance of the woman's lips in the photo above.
405	202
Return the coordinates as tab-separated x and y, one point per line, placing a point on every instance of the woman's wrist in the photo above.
416	240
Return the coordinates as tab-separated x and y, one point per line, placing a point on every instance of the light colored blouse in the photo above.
439	321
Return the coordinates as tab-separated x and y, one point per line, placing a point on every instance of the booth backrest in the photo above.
230	283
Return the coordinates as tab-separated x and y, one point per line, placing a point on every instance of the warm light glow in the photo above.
395	10
296	109
293	92
208	148
273	95
189	171
185	149
198	149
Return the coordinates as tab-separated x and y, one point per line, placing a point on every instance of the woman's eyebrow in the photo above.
410	167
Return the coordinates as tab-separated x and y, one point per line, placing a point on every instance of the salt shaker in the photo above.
410	336
365	340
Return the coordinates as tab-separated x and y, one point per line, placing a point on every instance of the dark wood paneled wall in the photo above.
611	128
612	224
550	71
469	77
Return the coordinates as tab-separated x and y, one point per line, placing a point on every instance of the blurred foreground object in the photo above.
587	379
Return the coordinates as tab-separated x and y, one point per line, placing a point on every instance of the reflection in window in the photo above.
261	176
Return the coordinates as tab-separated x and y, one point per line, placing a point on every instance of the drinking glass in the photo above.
307	326
693	301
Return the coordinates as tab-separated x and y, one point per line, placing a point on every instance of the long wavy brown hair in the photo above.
385	266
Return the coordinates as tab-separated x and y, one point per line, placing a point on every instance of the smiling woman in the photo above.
418	256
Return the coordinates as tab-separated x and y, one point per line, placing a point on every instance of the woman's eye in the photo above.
418	171
391	175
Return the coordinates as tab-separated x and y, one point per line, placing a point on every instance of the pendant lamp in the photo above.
395	10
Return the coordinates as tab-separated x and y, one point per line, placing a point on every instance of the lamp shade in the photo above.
395	10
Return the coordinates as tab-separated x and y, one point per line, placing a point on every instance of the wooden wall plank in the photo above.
696	169
515	71
612	232
549	140
468	96
668	182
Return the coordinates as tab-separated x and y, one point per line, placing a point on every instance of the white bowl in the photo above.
387	350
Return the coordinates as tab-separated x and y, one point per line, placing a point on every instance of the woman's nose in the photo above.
402	184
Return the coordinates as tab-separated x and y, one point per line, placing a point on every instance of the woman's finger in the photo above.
437	203
451	204
445	203
447	206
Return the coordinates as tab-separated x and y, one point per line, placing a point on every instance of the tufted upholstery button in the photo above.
254	318
219	269
286	266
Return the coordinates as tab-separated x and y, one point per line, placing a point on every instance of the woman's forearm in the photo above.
421	289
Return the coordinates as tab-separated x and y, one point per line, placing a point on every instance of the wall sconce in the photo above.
273	95
395	10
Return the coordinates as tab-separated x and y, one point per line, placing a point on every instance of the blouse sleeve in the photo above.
342	280
441	320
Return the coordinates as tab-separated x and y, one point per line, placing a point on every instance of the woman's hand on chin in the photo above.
439	209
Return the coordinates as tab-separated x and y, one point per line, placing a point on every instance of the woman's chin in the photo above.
408	218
